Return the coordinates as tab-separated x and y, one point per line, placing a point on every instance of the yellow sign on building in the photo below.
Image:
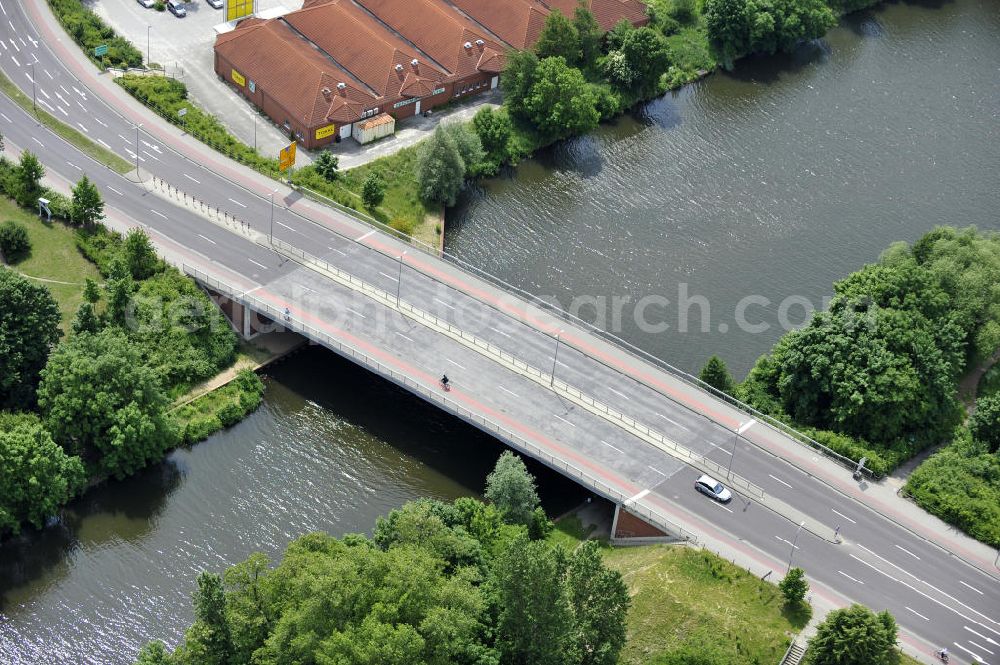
236	9
323	132
286	158
239	78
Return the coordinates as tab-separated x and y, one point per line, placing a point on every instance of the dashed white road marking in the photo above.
51	77
618	392
73	165
673	422
389	276
238	203
190	178
119	136
843	515
290	228
46	105
455	363
5	117
208	239
971	587
917	613
37	141
102	142
81	106
850	578
80	125
498	331
67	92
14	44
63	111
4	10
438	300
509	392
356	313
971	653
44	94
16	62
564	420
157	212
781	481
728	510
334	249
980	646
410	339
787	542
980	635
612	447
907	551
653	468
101	122
115	191
260	265
365	235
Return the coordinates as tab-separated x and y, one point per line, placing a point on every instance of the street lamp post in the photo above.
732	456
270	234
34	103
791	552
138	125
555	358
399	278
149	58
255	132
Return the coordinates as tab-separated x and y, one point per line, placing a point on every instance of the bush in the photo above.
89	31
794	587
14	241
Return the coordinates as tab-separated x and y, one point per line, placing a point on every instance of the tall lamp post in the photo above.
555	358
791	552
399	278
270	234
732	456
137	126
34	103
149	58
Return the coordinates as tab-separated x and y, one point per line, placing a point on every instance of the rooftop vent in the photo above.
399	68
414	62
480	42
326	92
468	44
341	86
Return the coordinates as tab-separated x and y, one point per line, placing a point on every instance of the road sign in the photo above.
181	112
100	50
286	159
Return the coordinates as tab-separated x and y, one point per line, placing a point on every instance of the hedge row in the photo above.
89	31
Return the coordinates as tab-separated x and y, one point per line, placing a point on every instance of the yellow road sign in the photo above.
286	158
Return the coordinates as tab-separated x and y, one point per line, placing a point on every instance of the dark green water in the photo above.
772	181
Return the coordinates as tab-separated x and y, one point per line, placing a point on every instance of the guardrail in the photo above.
532	372
433	395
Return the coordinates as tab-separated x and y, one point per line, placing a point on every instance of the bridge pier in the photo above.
247	323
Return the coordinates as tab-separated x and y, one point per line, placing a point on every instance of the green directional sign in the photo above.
100	50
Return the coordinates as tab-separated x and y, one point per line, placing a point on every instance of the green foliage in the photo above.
494	129
716	374
36	476
29	328
28	180
518	77
154	653
89	32
561	102
139	255
14	242
511	489
208	641
118	290
984	425
100	246
589	34
854	636
739	27
440	168
100	402
91	292
639	61
559	39
848	6
373	191
469	146
223	407
88	207
85	320
327	165
794	586
600	602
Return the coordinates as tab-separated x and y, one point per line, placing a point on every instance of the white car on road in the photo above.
711	487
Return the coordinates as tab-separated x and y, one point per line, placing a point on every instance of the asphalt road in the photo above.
937	598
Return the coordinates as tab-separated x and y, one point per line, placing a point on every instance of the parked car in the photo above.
711	487
148	4
176	8
217	4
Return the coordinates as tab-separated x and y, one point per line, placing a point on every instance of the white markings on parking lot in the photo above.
208	239
917	613
438	300
73	165
37	141
157	212
970	587
907	551
850	578
63	111
843	515
612	447
115	191
563	419
259	265
454	363
46	105
410	339
509	392
745	426
389	276
238	203
781	481
366	235
786	542
190	178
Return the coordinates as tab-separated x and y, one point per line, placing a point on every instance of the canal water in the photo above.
772	181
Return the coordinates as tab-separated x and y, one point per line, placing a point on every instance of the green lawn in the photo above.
53	256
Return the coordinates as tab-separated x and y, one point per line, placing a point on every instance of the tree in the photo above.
102	403
119	289
86	320
140	257
647	57
715	374
561	102
854	636
14	241
154	653
985	422
616	36
29	174
512	489
794	587
600	602
373	190
91	292
589	36
208	641
29	328
88	206
36	477
494	129
440	168
738	27
535	620
469	146
327	165
519	75
558	38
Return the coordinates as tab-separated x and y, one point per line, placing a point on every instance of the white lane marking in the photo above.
102	142
781	481
208	239
46	105
80	125
119	136
101	122
67	92
747	425
356	313
509	392
404	336
365	235
156	212
77	91
988	639
907	551
971	587
190	178
238	203
73	165
152	155
633	499
14	44
334	249
454	363
444	303
917	613
563	419
673	422
849	577
843	515
16	62
4	45
11	23
389	276
44	94
618	392
290	228
978	658
612	447
63	111
658	471
115	191
497	330
723	507
81	106
980	646
51	77
260	265
37	141
786	542
5	117
4	10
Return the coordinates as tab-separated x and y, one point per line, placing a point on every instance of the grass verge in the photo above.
53	256
72	136
221	408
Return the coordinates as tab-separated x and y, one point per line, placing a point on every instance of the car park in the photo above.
176	8
709	486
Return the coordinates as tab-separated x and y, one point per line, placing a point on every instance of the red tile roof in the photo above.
517	22
606	12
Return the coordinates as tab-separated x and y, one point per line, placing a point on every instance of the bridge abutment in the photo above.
630	529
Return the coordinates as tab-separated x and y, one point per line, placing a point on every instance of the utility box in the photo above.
374	128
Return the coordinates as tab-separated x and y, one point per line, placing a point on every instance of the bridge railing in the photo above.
515	440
